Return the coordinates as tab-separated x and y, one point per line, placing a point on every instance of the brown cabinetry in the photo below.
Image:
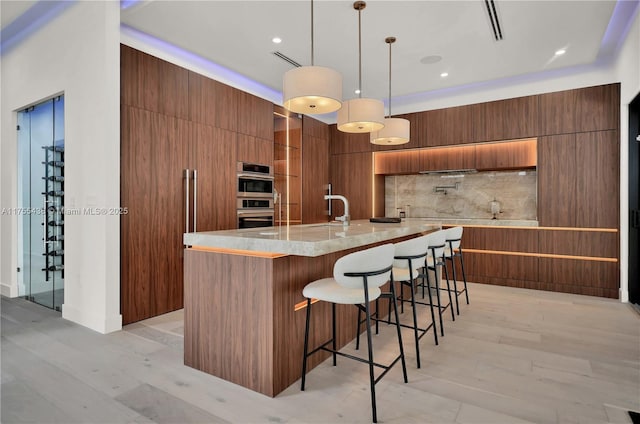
352	176
557	181
510	155
580	110
597	177
448	126
580	261
505	119
398	162
341	142
447	158
315	170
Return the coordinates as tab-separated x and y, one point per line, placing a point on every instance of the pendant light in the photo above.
361	115
396	130
312	89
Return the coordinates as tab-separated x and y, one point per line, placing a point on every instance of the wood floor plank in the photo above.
512	355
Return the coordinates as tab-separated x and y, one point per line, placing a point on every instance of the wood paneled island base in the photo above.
241	322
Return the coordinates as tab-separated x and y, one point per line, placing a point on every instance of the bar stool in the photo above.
435	258
452	251
357	278
410	256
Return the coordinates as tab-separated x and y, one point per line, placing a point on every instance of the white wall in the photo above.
628	72
77	53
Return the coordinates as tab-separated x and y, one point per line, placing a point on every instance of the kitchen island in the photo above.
243	304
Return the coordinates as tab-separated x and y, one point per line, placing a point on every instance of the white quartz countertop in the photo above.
309	239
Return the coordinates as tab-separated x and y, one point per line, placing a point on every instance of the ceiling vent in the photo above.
287	59
493	17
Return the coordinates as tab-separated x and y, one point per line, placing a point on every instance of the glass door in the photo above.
41	203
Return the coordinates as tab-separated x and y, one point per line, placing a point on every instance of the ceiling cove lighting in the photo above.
396	130
312	89
361	115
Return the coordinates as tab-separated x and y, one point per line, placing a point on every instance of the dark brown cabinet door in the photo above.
255	116
598	108
508	155
213	154
597	179
557	112
557	181
153	157
449	126
396	163
448	158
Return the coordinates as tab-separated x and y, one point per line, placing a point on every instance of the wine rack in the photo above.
53	223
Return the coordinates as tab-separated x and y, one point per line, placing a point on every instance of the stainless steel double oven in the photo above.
255	195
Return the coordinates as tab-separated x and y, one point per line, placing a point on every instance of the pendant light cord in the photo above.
359	53
389	80
311	32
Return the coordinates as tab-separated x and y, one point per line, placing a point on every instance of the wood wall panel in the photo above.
255	150
488	121
227	114
314	128
341	142
597	179
212	103
598	108
351	176
255	116
556	181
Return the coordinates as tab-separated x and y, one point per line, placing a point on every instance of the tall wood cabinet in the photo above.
173	120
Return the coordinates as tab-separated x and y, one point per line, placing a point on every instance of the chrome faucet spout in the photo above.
346	218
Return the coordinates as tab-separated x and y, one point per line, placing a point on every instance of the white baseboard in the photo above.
8	290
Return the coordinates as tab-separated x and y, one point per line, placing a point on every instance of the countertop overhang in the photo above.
309	239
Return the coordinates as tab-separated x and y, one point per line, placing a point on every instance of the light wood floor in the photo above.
512	356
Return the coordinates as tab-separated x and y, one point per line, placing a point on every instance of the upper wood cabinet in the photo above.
447	158
447	126
397	162
255	116
212	103
580	110
351	176
255	150
505	119
598	108
507	155
557	181
148	83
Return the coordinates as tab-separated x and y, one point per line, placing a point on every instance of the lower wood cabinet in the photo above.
563	260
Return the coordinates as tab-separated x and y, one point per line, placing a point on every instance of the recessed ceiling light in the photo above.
277	40
560	52
444	74
357	91
428	60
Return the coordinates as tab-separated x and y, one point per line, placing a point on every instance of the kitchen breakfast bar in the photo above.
243	305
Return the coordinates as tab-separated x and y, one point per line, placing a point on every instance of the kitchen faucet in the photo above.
346	219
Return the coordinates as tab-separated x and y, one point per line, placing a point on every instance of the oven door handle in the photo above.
257	212
257	176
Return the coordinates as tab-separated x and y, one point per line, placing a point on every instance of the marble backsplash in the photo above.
463	195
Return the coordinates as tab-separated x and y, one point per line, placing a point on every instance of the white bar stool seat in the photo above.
357	278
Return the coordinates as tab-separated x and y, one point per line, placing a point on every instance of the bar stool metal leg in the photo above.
446	276
333	332
306	344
